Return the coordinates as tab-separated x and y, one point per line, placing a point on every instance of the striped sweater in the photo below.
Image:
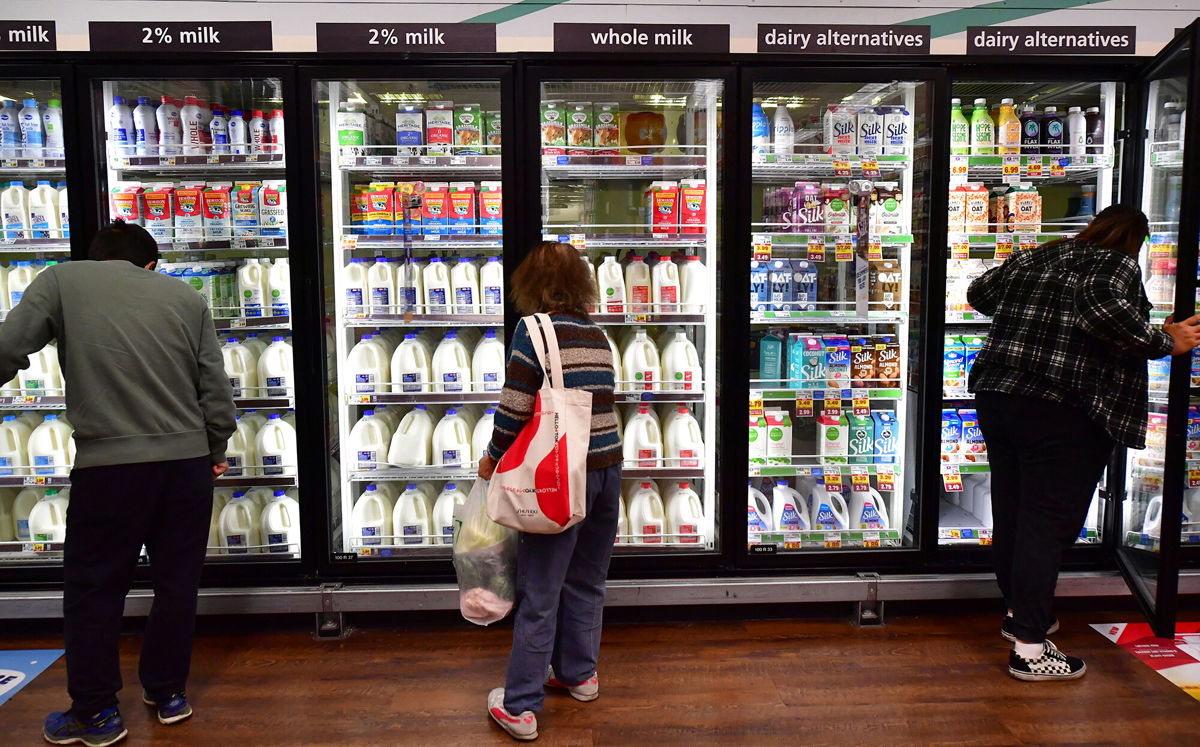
587	364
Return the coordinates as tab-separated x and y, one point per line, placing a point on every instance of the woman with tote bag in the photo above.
560	577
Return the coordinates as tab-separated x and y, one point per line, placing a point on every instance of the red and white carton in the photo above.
462	209
491	208
159	211
693	203
217	211
439	127
435	207
189	211
662	199
127	202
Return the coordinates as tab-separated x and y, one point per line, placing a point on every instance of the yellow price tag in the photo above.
1057	168
871	543
756	407
1011	166
870	168
762	248
833	480
861	403
1194	478
804	406
833	541
1027	241
1004	246
959	166
816	249
841	168
874	250
952	480
860	483
885	479
960	248
1034	166
831	407
844	248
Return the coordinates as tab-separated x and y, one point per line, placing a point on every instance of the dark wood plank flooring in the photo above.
921	679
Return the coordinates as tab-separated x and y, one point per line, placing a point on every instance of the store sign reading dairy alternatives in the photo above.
406	37
842	39
124	36
630	37
1051	39
28	35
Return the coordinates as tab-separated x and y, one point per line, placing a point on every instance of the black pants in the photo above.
1046	460
113	512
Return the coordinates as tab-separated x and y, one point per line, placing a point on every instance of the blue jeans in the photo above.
560	597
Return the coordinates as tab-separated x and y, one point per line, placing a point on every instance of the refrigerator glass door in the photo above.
35	233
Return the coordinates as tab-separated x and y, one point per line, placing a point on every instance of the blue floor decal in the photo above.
18	668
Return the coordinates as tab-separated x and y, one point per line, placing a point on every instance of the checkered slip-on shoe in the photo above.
522	727
1006	629
1051	665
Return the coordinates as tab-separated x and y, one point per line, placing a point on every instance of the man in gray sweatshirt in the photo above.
152	410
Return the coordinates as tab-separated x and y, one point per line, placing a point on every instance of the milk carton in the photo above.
189	211
243	201
954	367
779	436
758	439
884	283
972	346
662	201
951	436
491	208
841	130
693	195
807	208
435	206
380	216
781	292
957	210
760	286
607	133
806	361
888	212
770	360
861	439
973	447
837	361
439	127
127	202
886	436
833	440
1024	209
159	206
863	363
408	216
272	208
553	129
804	285
468	130
976	209
579	128
410	129
493	131
461	201
217	223
870	130
897	131
836	201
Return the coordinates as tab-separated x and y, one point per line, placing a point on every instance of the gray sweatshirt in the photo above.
144	374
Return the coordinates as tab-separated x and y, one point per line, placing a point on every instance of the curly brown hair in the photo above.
554	278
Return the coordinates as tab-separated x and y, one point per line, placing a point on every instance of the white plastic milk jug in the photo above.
643	371
22	506
451	365
646	514
867	510
685	514
239	452
240	368
239	526
622	521
275	446
280	524
638	285
759	513
491	286
452	440
829	510
275	369
357	294
48	518
252	288
370	439
789	511
279	287
443	511
666	286
382	285
487	364
611	283
684	442
372	516
412	444
438	291
411	520
681	364
693	280
411	366
7	524
642	442
49	450
464	281
14	446
368	367
481	435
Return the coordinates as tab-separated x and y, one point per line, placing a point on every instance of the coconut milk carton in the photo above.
837	362
806	361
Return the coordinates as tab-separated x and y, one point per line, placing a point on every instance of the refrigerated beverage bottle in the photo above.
252	288
1008	129
279	526
381	283
240	369
622	522
1054	134
1087	202
760	129
642	367
491	286
279	287
368	367
48	518
33	138
43	211
665	283
191	119
275	126
275	369
49	447
351	128
759	513
14	211
52	125
206	115
22	506
275	447
357	294
64	217
370	439
685	515
450	498
784	132
411	371
438	289
611	283
412	443
681	364
464	282
10	130
829	510
239	526
867	510
684	441
642	441
239	452
1077	131
960	129
1095	129
411	520
14	446
451	365
7	523
646	514
238	136
257	133
452	440
481	434
638	285
22	273
488	363
119	124
170	126
789	511
145	127
983	130
372	516
1170	130
218	132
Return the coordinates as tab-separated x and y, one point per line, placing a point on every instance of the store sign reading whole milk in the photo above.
630	37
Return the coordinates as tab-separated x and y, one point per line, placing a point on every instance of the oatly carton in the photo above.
189	211
435	207
127	202
217	208
870	130
159	211
782	293
662	200
462	209
973	448
951	436
804	285
760	286
837	362
807	208
692	206
491	208
841	130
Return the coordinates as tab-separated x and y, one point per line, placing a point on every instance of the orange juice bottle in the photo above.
1008	129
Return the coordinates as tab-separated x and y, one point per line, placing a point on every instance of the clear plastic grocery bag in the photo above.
485	559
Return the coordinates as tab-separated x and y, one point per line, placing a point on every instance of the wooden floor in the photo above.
921	679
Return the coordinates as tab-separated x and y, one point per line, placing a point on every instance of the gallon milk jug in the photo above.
357	296
693	282
1152	525
438	291
279	287
829	510
48	519
239	524
642	442
280	524
681	364
789	509
646	515
464	281
43	377
411	366
22	506
452	441
275	446
451	365
411	519
242	378
666	286
410	287
487	364
367	367
49	452
611	286
43	211
443	511
622	521
412	444
252	288
275	369
491	286
381	283
867	510
642	368
14	446
481	436
221	498
14	209
684	443
239	452
372	516
7	523
370	439
638	285
685	514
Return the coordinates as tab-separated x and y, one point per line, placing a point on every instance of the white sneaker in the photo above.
522	727
584	692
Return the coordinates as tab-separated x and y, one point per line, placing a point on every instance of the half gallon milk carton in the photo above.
272	208
951	436
189	211
491	208
886	436
127	202
954	367
159	205
662	200
833	440
973	448
897	131
837	362
779	436
806	361
217	209
870	130
861	439
841	130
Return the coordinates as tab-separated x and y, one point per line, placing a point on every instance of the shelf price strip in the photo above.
831	406
1010	170
885	478
1033	166
951	479
804	406
960	247
861	403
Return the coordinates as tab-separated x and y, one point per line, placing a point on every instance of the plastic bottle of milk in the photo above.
372	515
867	510
275	446
252	287
481	436
191	118
759	510
381	282
438	289
239	526
43	211
22	506
487	364
642	445
1076	131
464	281
255	344
491	286
275	128
33	139
279	287
685	515
275	369
643	371
452	440
789	510
443	511
280	524
48	518
684	442
238	138
14	446
257	133
52	123
10	130
7	522
411	519
49	450
64	216
368	367
829	510
784	139
239	452
369	441
693	282
681	364
218	133
145	127
638	285
357	294
170	128
411	366
412	445
666	286
119	125
610	284
14	205
241	369
221	498
451	366
646	514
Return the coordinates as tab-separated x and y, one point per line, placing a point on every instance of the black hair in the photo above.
127	241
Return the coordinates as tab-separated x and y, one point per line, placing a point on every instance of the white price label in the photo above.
373	161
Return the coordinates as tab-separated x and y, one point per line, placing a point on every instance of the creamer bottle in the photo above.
685	515
14	446
638	285
642	443
452	441
275	369
370	439
239	526
464	282
491	286
438	290
451	366
488	364
239	452
275	446
49	450
280	524
643	370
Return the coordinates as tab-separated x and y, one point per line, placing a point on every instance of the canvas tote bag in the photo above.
540	483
